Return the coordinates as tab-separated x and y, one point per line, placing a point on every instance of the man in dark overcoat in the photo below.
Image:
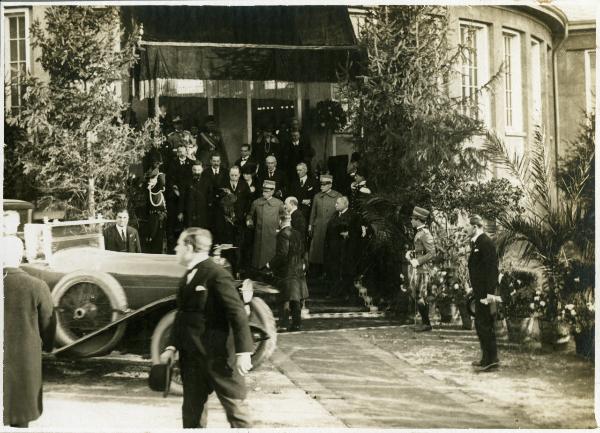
179	176
288	267
198	199
483	273
304	187
208	309
273	173
341	248
297	150
29	328
122	237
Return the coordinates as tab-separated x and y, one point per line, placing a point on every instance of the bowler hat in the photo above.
268	184
420	213
159	378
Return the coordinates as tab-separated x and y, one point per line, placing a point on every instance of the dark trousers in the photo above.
197	385
484	325
295	309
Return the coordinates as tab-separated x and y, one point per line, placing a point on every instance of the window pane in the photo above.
14	95
14	53
22	49
13	27
22	26
14	72
22	70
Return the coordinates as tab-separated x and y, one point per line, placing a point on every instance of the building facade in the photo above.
546	65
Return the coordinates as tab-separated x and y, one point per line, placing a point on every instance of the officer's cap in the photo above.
326	178
268	184
420	213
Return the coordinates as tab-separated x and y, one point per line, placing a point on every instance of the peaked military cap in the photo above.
420	213
269	184
326	178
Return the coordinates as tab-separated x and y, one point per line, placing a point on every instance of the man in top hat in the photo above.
322	209
483	273
122	237
210	140
264	218
420	259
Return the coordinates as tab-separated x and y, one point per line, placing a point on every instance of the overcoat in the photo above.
341	252
265	217
208	307
29	327
198	203
287	264
322	209
483	266
114	242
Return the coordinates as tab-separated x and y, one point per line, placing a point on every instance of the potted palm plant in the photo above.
556	227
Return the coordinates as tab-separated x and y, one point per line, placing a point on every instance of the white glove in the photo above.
243	363
167	356
414	263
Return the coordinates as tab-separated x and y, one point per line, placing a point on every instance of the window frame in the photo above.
537	104
482	54
8	14
590	100
515	126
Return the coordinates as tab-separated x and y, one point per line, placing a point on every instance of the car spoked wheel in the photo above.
86	302
160	340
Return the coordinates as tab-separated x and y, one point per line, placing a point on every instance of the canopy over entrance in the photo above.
183	46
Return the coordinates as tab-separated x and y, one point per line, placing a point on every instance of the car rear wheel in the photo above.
85	302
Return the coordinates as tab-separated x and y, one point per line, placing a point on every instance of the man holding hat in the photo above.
322	209
483	273
420	258
264	218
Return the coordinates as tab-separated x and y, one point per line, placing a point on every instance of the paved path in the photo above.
365	386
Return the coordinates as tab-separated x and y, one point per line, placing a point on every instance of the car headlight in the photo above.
247	290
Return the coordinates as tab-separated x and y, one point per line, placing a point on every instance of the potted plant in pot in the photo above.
441	295
517	289
580	316
554	332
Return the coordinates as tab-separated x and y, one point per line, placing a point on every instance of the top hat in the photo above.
326	178
420	213
268	184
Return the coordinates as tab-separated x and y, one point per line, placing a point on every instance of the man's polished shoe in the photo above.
423	328
487	367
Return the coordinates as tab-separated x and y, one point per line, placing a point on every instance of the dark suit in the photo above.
297	153
262	148
483	273
179	176
208	307
250	160
304	192
114	242
299	223
278	177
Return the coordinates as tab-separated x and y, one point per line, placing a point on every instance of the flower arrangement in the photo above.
330	115
518	290
540	306
447	285
580	313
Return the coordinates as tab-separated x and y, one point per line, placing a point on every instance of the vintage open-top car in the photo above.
106	300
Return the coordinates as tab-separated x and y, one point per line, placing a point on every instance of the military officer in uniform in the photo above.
264	219
322	209
179	137
210	140
420	260
483	273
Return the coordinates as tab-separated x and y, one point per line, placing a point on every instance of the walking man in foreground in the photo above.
483	273
208	306
420	259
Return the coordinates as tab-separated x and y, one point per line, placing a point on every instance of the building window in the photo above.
474	70
513	115
536	82
16	27
590	81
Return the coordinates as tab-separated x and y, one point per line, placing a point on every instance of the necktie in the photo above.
122	232
302	182
233	186
270	174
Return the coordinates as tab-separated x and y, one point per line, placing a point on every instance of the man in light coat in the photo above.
264	219
322	209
